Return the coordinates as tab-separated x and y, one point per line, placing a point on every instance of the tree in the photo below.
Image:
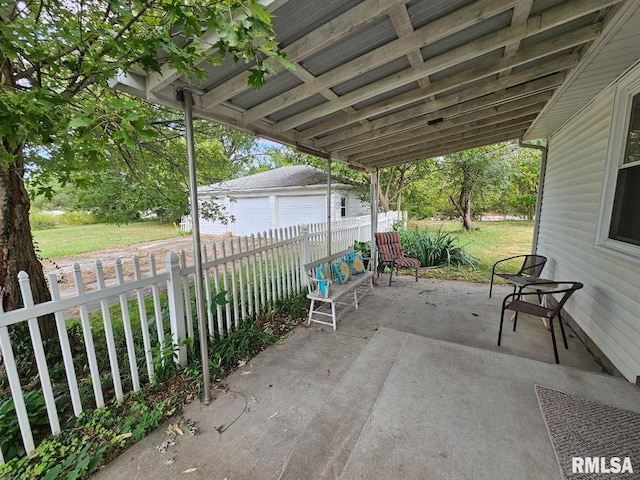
155	176
525	171
469	172
56	58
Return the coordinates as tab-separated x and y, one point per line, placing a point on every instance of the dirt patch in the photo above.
64	267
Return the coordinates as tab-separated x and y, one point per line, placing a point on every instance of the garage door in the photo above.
252	215
298	209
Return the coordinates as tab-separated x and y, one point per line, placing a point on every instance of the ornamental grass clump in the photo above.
435	249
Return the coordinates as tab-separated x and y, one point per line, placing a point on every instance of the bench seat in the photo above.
347	294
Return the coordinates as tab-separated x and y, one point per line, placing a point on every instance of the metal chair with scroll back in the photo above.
532	266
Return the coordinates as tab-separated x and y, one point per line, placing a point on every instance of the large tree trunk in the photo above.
17	251
463	207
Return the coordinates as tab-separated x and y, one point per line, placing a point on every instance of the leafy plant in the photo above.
11	439
435	249
363	247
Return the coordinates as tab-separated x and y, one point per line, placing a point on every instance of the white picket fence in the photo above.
255	272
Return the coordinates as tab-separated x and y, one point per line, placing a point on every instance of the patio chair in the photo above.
390	254
516	302
532	266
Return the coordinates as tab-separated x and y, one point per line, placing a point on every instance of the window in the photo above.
625	216
343	207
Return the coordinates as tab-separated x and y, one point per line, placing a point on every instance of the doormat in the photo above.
591	440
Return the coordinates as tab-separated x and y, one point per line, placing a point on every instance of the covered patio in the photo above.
412	385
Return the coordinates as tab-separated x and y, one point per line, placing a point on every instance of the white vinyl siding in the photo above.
608	307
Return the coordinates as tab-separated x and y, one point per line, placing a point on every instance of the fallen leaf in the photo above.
190	470
273	415
171	461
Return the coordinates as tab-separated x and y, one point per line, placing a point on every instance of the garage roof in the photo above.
283	177
384	82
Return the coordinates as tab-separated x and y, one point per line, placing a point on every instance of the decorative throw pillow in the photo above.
321	274
340	270
356	263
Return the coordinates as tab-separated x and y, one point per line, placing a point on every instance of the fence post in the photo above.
305	256
176	309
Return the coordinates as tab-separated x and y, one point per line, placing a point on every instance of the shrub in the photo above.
79	218
40	221
435	249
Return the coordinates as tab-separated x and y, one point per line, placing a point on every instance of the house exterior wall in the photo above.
607	309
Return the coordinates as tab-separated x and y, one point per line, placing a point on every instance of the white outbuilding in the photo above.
279	198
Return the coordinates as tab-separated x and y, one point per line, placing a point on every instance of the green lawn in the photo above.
72	240
489	242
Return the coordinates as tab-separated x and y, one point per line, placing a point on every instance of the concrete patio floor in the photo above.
412	385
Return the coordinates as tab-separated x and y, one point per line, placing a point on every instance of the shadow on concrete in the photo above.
412	385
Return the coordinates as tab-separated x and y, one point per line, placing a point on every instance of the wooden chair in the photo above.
532	266
516	303
390	254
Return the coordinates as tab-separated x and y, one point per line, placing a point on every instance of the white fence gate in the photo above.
255	272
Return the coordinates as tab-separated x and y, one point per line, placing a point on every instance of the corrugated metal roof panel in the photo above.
423	13
294	19
371	76
361	41
274	86
467	35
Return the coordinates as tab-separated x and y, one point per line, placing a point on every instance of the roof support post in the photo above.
187	101
329	205
373	194
543	171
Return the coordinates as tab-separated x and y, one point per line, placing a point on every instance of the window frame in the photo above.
626	90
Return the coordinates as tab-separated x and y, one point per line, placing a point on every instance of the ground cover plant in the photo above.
100	434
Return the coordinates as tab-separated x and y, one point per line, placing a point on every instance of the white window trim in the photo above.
626	89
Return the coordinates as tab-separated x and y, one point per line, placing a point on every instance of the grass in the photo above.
73	240
488	242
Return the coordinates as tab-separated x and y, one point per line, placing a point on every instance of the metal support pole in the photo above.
543	171
197	252
374	218
329	206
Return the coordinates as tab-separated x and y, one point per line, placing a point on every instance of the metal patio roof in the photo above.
383	82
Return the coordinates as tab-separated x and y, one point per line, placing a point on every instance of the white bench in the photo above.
361	281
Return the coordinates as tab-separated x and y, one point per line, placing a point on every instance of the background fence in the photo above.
250	273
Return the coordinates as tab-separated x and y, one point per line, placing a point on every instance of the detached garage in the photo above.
278	198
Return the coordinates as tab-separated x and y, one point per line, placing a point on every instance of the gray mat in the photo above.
584	428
